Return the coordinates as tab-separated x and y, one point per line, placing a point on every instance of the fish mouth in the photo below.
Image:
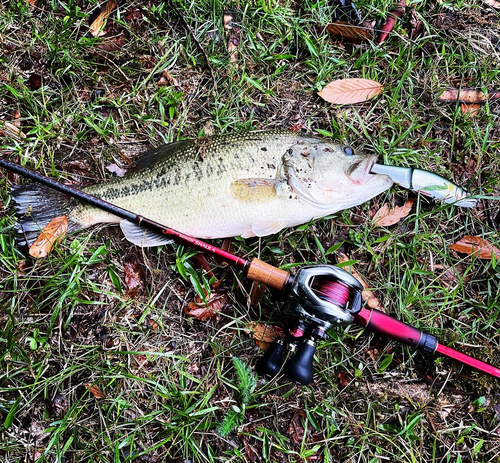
359	171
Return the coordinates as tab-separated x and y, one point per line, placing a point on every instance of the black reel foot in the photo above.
300	367
270	363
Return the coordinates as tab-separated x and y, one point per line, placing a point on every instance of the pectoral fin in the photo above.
255	189
142	237
264	228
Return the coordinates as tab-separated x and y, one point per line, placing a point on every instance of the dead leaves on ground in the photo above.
464	95
350	91
53	232
233	38
264	334
387	216
202	310
349	32
476	246
493	3
97	27
94	389
470	99
134	277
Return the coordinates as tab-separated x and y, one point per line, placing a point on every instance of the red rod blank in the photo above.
472	362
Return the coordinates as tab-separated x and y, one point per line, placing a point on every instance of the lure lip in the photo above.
427	183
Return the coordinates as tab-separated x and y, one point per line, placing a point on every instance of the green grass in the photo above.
167	383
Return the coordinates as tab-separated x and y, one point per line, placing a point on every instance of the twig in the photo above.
191	32
113	63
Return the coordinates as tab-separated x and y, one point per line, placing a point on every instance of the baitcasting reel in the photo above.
322	296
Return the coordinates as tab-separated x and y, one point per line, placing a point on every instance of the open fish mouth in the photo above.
359	172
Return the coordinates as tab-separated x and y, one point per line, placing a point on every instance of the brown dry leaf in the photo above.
134	277
353	34
265	334
349	91
472	109
257	293
385	216
476	246
116	169
493	3
202	311
464	95
52	232
295	429
11	130
98	394
233	38
112	44
344	378
251	453
370	299
96	28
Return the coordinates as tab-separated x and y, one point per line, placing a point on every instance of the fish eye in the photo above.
348	151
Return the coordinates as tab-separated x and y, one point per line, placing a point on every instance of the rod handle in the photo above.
271	276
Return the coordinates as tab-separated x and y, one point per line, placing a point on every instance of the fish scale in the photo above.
246	184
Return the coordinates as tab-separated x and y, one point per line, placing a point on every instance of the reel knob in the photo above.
300	367
270	363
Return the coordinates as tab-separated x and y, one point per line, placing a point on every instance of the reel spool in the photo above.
322	296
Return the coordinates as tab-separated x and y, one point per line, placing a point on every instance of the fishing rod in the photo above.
321	297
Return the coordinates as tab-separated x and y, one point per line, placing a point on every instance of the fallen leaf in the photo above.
35	81
454	275
367	295
251	453
386	216
204	310
112	44
257	293
395	14
344	378
471	109
52	232
349	91
476	246
21	265
463	95
493	3
98	394
416	24
96	28
233	37
349	32
153	324
134	277
141	361
11	130
265	334
116	169
295	429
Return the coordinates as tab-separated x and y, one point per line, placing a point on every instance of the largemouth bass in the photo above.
245	184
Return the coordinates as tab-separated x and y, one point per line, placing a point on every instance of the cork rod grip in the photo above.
268	274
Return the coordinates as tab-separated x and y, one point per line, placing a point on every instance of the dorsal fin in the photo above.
164	151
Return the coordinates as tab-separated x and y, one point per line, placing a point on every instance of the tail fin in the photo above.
36	205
